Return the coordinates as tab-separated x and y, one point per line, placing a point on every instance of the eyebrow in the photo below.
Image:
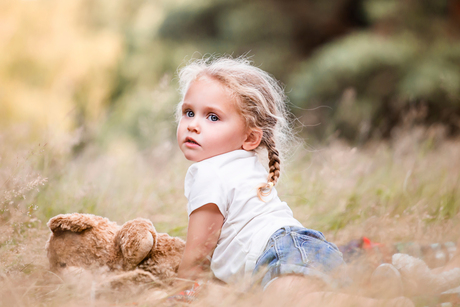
185	105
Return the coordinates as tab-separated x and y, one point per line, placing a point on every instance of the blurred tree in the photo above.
278	33
405	56
365	63
405	66
52	67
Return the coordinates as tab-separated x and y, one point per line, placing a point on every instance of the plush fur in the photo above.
88	241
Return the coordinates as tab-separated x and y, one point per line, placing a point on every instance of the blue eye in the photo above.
213	118
189	113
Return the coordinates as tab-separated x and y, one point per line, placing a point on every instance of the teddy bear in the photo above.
87	241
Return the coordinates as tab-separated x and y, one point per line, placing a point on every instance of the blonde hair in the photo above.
260	98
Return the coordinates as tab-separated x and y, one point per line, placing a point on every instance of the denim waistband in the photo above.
286	230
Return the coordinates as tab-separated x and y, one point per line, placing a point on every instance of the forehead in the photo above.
208	90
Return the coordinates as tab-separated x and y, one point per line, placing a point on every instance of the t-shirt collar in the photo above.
235	154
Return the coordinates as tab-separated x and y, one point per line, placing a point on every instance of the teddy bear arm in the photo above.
136	239
166	256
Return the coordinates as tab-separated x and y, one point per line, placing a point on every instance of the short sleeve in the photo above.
203	185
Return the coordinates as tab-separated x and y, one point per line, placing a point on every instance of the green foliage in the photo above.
396	65
350	62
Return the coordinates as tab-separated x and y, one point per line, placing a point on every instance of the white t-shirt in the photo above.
230	181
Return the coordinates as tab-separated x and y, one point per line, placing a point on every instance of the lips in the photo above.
191	141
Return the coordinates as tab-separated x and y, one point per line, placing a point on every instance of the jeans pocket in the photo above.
299	243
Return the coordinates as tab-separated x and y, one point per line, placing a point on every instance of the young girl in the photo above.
229	113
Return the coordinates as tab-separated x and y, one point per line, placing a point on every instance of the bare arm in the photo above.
203	232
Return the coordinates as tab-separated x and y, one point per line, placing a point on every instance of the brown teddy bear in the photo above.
88	241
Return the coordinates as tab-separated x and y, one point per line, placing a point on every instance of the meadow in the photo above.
404	189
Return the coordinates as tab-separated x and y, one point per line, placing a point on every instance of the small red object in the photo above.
368	244
187	296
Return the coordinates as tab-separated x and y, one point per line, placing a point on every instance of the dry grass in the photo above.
402	190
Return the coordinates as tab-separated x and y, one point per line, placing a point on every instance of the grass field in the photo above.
405	189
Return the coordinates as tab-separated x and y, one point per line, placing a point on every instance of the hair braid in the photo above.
274	162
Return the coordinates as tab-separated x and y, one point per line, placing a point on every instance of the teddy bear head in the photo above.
89	241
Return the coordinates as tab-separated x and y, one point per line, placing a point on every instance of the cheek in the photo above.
239	133
179	131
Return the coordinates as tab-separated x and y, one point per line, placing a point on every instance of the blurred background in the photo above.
352	68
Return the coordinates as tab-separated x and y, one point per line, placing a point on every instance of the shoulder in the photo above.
200	171
203	178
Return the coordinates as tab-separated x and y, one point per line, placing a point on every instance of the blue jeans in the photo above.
301	251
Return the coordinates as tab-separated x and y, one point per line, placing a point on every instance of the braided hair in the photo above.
261	101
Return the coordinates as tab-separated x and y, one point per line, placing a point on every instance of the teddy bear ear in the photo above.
74	222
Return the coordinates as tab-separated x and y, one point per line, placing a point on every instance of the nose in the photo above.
194	126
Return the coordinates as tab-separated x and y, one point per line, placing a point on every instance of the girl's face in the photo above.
210	124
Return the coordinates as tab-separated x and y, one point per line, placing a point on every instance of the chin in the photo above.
192	158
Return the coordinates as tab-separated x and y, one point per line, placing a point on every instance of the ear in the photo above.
253	139
74	222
